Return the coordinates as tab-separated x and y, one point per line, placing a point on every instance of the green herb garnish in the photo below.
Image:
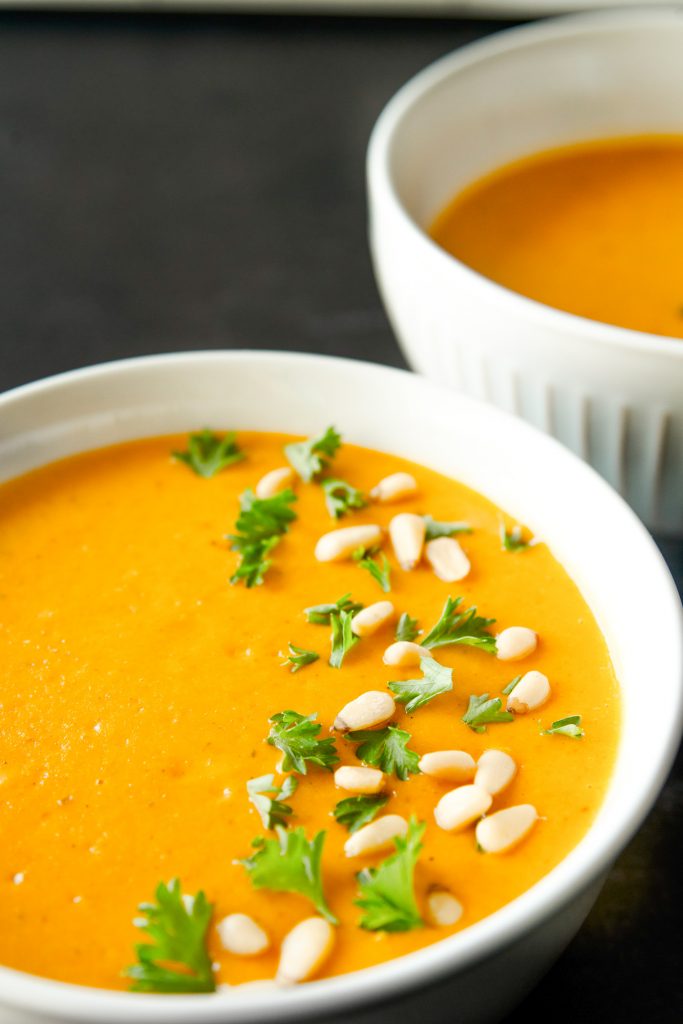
415	693
482	712
356	811
406	628
320	613
207	453
513	540
434	529
290	863
341	497
310	458
268	799
456	627
343	638
260	525
507	690
296	736
299	657
387	893
387	750
570	726
177	959
379	570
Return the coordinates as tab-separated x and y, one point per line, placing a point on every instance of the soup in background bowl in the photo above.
595	229
612	394
137	538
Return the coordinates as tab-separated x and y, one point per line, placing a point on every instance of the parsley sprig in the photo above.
268	798
299	657
482	711
407	628
290	863
310	458
341	497
513	539
177	959
387	893
356	811
415	693
260	525
455	627
208	453
434	529
379	568
320	613
570	726
342	638
386	749
296	736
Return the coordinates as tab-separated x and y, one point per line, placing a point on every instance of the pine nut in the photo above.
461	806
447	559
358	779
495	771
453	765
407	532
394	487
531	691
515	642
504	829
405	654
372	708
274	482
304	950
241	935
442	907
339	544
372	618
378	835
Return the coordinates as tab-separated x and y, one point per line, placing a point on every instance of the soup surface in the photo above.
595	229
137	685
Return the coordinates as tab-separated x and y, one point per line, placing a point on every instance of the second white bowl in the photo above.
612	395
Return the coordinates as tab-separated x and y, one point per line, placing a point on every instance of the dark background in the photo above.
172	183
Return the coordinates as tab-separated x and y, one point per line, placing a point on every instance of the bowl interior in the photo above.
530	89
591	531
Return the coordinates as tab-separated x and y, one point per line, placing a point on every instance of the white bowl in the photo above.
614	396
597	538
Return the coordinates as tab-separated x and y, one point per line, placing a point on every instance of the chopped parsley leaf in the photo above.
343	638
434	529
299	657
177	959
570	726
310	458
268	799
456	627
415	693
387	892
407	628
387	750
482	712
356	811
207	453
290	863
342	498
296	736
320	613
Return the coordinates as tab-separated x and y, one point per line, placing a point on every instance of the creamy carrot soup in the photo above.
595	229
402	792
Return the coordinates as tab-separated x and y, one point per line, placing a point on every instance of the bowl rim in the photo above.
568	880
381	183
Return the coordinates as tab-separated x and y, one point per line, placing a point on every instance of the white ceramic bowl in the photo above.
612	395
518	467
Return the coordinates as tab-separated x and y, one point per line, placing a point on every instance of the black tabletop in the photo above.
172	183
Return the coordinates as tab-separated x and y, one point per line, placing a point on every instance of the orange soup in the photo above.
145	686
595	229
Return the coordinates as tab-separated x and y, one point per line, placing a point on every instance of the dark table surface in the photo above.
174	183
